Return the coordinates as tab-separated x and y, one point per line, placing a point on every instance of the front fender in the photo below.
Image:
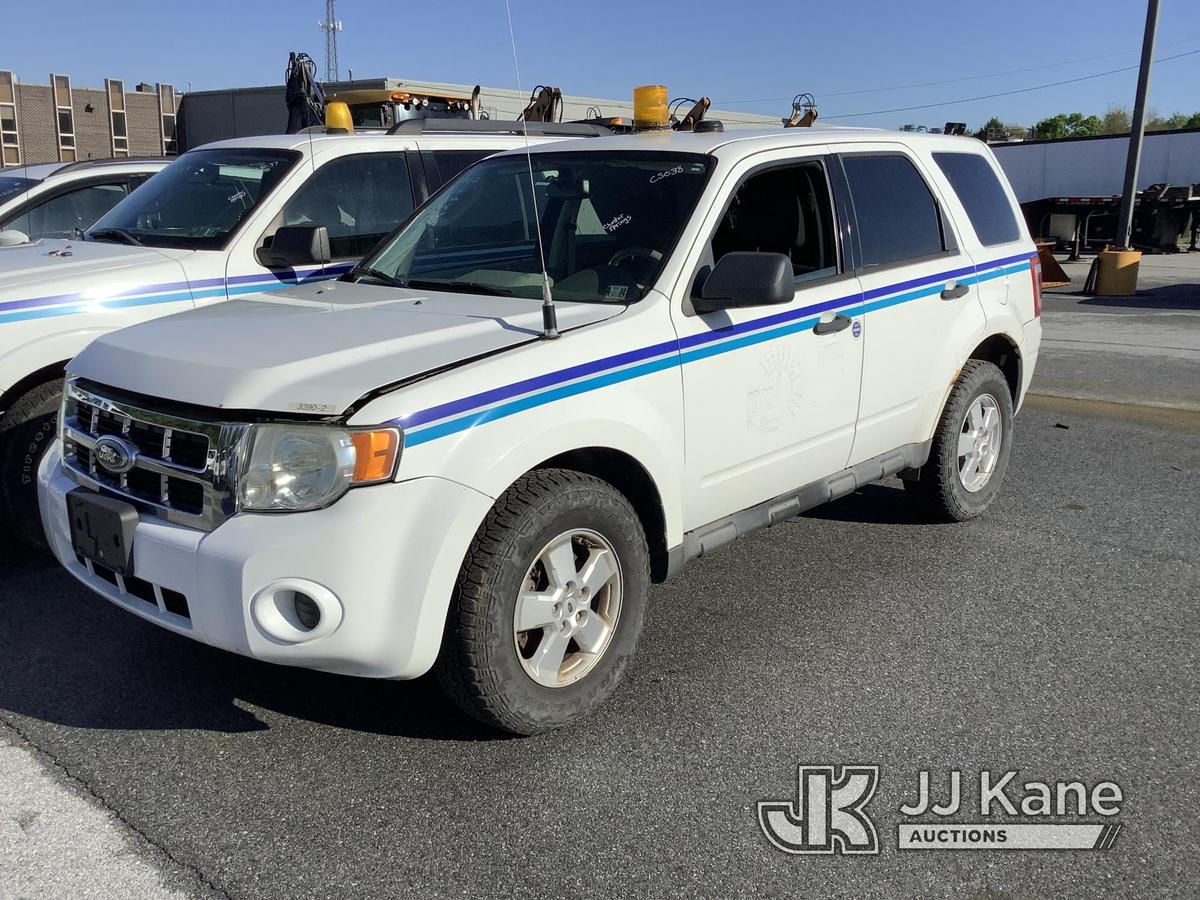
20	359
641	419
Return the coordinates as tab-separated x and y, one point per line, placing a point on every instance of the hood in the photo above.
314	349
51	272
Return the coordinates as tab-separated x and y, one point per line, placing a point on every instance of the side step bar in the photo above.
707	538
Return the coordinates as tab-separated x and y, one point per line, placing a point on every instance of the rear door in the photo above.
920	302
995	240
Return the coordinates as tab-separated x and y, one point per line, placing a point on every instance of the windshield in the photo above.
11	186
608	220
198	201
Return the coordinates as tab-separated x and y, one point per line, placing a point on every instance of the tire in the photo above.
942	491
26	433
488	667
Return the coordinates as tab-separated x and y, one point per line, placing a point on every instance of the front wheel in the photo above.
548	605
970	447
26	433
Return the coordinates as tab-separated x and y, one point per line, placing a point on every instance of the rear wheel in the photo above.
549	604
26	433
970	449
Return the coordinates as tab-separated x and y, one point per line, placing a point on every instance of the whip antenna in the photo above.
549	316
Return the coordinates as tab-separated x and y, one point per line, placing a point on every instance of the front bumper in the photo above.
388	555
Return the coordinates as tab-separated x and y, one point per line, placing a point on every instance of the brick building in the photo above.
55	122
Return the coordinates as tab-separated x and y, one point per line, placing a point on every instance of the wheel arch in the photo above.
625	473
1002	351
52	372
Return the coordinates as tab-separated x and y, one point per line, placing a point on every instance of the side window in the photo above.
360	199
982	195
451	162
898	219
783	210
59	216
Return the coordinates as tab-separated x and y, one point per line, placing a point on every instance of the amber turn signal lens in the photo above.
375	454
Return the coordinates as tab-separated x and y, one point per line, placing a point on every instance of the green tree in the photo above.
1170	123
991	126
1068	125
997	129
1116	121
1193	121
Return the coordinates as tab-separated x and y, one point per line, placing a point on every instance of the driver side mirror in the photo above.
744	279
296	245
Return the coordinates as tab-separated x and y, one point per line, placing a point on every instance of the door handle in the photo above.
833	326
953	293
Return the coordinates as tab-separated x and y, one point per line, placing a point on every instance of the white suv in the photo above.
230	219
403	469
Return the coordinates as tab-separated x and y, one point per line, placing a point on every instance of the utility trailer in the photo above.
1165	218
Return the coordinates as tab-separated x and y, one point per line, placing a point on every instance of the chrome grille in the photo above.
183	470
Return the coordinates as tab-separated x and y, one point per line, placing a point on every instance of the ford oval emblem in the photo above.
114	454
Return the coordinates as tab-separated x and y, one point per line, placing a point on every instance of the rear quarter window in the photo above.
982	196
898	219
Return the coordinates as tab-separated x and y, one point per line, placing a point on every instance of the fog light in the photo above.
307	610
296	610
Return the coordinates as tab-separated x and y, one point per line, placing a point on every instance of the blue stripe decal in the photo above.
41	308
78	302
675	353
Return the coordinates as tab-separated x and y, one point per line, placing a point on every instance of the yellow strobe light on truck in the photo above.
337	117
650	106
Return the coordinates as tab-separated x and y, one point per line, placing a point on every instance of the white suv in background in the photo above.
230	219
405	468
59	200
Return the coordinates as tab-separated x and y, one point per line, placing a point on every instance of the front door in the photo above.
770	400
360	198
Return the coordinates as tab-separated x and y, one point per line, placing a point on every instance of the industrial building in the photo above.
57	122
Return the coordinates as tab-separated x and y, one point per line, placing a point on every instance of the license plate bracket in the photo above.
102	529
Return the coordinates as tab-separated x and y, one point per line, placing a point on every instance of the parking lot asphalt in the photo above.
1143	349
1057	635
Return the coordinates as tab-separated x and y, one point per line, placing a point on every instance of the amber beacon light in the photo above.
650	106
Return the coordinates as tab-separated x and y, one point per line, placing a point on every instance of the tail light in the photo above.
1035	270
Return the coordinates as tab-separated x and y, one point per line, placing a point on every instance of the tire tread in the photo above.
461	668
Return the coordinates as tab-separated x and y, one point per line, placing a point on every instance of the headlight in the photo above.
300	467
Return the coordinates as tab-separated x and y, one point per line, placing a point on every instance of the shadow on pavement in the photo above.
71	658
1169	296
876	504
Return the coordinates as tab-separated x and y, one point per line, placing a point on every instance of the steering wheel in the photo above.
634	253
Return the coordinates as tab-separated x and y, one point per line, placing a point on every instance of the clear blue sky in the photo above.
733	50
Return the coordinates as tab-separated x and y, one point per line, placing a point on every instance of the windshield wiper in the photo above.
126	237
466	287
359	271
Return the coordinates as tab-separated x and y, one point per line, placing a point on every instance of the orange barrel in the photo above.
1117	272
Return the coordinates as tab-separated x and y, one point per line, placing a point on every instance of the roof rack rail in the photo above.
108	161
499	126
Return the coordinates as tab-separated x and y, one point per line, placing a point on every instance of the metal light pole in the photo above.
1125	218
